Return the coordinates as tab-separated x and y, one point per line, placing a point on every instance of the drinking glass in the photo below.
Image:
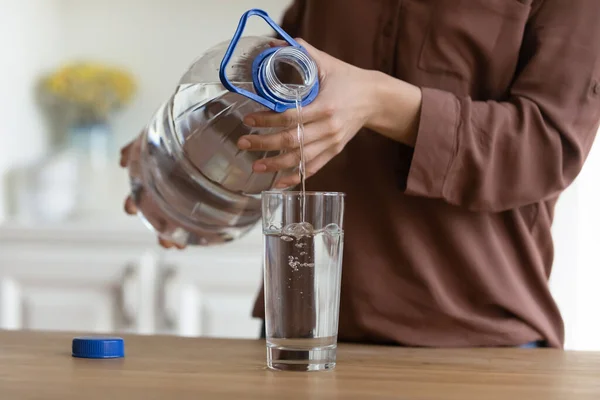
303	240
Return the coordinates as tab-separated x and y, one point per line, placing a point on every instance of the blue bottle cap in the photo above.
98	347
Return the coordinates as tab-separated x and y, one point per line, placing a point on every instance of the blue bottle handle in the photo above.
229	53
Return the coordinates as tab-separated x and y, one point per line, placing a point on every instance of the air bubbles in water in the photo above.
299	230
332	229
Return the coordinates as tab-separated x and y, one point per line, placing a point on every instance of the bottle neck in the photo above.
288	74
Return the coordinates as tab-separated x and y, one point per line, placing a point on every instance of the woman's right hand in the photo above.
130	159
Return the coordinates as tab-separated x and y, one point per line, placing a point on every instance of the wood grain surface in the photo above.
40	366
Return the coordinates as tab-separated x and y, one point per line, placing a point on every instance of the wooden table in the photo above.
40	366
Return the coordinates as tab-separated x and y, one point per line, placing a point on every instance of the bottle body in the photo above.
189	181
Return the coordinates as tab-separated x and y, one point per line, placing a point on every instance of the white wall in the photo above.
576	274
29	43
586	265
563	281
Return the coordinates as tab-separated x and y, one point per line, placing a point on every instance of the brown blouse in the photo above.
449	243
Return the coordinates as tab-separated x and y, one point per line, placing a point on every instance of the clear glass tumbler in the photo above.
303	246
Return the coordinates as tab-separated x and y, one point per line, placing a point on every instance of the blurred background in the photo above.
79	79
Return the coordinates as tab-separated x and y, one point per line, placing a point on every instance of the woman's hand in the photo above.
130	155
350	98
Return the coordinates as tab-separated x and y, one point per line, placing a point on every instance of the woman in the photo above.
453	127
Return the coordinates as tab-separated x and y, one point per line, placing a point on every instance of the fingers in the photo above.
125	154
168	245
278	43
312	168
164	243
300	41
290	159
311	50
130	207
287	139
315	53
269	119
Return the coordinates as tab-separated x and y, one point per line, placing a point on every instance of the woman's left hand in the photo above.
340	110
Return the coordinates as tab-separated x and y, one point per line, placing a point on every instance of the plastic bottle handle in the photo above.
233	44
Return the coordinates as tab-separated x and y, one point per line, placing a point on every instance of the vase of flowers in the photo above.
80	100
85	96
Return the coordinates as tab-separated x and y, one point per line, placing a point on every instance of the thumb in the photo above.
278	43
312	51
316	54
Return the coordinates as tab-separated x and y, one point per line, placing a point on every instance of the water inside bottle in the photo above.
212	192
195	186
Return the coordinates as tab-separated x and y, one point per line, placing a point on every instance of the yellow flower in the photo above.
97	88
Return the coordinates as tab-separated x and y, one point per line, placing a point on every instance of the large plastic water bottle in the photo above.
189	181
